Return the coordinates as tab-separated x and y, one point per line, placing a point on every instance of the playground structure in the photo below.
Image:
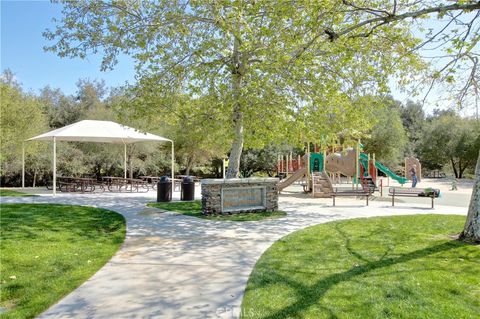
318	170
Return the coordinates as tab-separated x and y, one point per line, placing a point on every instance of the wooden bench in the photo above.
413	192
350	193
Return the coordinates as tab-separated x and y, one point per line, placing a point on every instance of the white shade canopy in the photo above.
99	132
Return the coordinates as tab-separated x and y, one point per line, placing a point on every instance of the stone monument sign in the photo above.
229	196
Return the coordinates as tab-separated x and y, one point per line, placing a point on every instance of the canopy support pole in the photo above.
173	165
54	166
124	160
23	164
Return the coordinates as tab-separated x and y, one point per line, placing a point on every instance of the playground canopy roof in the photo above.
99	132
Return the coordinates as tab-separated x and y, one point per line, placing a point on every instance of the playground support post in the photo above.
124	160
23	164
286	165
282	166
173	165
279	164
308	165
357	167
54	166
324	160
290	168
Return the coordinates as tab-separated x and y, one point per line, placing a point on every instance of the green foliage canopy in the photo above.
387	138
273	65
449	139
21	117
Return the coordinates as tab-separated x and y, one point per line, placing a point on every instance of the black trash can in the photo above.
164	189
188	189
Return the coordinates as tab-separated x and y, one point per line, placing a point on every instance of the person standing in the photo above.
454	184
413	173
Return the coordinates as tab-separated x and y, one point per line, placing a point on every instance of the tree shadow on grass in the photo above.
311	294
29	221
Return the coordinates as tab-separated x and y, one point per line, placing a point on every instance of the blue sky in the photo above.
22	24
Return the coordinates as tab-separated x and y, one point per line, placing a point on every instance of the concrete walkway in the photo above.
175	266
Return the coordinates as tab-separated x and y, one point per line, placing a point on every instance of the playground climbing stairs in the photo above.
322	186
368	184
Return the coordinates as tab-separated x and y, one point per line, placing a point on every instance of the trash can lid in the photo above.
164	179
188	179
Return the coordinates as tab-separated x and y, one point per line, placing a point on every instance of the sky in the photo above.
22	24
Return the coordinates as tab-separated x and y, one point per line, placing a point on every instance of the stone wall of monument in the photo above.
237	195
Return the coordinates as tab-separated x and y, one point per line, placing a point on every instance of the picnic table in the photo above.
76	184
196	179
151	180
114	183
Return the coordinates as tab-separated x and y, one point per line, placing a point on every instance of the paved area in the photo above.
175	266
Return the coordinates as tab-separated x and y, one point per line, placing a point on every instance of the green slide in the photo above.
383	168
389	173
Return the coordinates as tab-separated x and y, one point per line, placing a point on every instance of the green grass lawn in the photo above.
385	267
194	209
9	192
49	250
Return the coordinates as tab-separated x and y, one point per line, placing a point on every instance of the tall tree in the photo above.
21	117
266	60
449	139
60	109
413	119
387	138
471	231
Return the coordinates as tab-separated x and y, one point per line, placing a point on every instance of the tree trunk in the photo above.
237	116
454	167
129	165
34	177
471	230
237	146
190	161
461	169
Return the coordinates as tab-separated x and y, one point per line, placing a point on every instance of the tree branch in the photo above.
389	18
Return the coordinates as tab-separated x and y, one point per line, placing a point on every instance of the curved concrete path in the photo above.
175	266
